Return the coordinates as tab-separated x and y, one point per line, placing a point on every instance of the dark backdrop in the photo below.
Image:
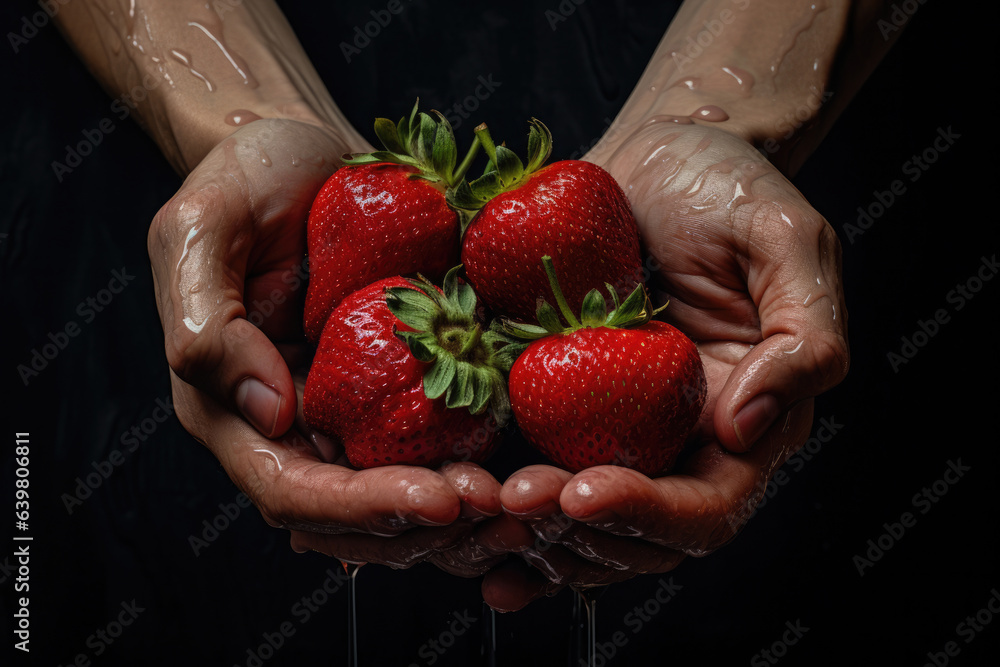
124	551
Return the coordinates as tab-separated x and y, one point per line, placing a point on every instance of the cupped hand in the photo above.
228	253
752	274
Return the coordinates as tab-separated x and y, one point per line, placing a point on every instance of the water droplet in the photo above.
238	117
710	113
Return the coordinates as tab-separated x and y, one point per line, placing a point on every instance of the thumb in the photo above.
803	323
198	252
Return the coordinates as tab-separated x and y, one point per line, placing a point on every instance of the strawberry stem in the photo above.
567	312
483	134
460	172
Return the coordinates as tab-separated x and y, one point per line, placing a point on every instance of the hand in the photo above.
752	274
228	258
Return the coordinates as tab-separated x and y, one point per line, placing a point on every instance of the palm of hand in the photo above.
752	274
228	254
751	270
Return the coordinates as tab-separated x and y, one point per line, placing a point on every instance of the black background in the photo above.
897	428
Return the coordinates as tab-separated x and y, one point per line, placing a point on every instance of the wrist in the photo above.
191	72
761	71
190	131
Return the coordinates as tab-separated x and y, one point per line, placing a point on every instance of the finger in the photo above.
562	567
293	488
486	546
478	490
398	552
503	534
452	562
329	450
533	492
803	320
198	252
610	551
513	585
695	511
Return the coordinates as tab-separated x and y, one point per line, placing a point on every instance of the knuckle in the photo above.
268	504
190	355
832	356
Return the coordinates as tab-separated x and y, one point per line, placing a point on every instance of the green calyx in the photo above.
505	171
634	311
467	365
423	141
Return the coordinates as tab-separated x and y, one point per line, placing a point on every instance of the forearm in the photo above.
191	72
777	73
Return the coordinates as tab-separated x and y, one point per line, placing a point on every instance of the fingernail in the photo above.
324	446
602	517
474	513
421	520
259	404
754	418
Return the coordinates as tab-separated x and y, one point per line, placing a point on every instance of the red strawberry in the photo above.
573	211
384	214
405	376
613	388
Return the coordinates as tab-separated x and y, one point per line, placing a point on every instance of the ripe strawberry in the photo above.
404	375
384	214
573	211
613	388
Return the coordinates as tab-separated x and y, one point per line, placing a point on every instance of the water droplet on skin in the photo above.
238	117
690	82
270	465
792	36
237	62
184	59
710	113
744	80
664	118
796	348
